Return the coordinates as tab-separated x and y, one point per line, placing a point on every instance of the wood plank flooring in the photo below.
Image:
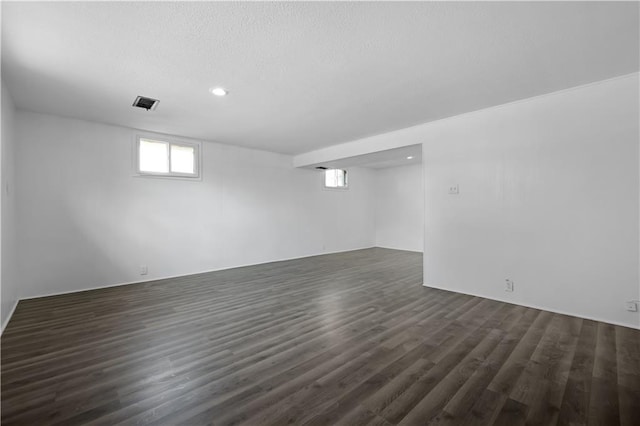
349	339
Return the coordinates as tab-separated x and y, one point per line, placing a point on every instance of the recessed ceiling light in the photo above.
410	157
219	91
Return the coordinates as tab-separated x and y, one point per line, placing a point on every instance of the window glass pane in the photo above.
330	178
154	156
183	159
342	176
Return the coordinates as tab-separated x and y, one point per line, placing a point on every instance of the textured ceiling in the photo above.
303	76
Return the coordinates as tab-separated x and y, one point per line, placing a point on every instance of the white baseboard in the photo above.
13	309
398	248
98	287
555	311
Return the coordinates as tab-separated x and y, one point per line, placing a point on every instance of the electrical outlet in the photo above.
508	286
454	190
632	306
143	270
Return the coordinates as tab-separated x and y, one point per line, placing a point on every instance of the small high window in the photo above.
335	178
163	158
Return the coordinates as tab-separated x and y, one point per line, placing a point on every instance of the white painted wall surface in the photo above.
86	222
400	208
548	197
8	274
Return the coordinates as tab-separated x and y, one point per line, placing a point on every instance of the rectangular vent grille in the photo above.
146	103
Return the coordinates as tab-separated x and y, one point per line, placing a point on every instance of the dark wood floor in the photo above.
347	339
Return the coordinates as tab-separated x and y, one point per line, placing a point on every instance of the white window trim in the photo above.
335	188
197	146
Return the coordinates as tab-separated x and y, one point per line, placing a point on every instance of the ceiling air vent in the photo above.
146	103
321	168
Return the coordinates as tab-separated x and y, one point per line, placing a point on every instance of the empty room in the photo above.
320	213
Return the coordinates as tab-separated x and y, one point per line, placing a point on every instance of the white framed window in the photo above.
164	158
336	179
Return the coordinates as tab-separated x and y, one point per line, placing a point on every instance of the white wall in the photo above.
8	277
400	208
85	221
548	197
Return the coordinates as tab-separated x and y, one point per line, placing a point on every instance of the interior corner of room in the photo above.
488	182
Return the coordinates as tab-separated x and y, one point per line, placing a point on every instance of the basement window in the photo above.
169	159
335	179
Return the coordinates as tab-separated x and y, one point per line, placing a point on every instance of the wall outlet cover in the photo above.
508	285
632	306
